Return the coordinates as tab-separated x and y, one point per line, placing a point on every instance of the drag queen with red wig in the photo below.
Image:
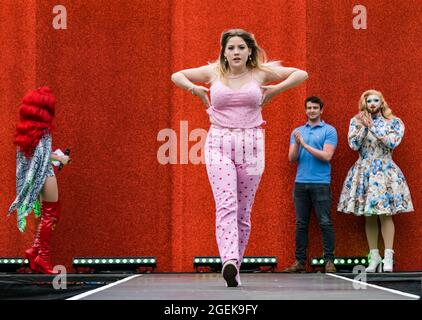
36	184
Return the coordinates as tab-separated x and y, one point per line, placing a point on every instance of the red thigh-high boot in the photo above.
49	217
32	252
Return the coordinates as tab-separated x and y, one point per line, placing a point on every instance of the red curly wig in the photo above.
36	118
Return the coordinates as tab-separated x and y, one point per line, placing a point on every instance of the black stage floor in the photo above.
211	286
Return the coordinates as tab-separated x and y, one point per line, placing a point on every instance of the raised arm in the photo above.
294	146
324	155
357	133
288	78
293	152
185	79
392	135
328	148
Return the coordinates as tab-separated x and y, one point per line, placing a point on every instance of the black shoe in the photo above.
230	273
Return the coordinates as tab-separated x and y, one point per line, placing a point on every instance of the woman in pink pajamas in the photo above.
234	149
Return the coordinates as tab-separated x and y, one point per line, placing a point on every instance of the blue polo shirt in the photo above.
310	169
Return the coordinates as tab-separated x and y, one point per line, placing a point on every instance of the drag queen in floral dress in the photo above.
375	186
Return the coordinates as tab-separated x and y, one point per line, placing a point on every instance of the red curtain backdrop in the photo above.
110	70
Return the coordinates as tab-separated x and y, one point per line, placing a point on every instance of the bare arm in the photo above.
324	155
328	148
293	152
288	77
184	79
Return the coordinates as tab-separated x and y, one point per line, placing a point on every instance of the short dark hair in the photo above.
315	99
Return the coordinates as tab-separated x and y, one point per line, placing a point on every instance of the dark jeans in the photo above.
306	196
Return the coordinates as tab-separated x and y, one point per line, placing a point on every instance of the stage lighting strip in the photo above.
13	261
340	261
245	260
114	261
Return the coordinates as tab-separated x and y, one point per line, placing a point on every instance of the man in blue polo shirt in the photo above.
312	146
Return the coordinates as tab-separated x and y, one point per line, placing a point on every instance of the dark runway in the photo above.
211	286
269	286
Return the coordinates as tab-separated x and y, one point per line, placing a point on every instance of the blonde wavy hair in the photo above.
385	109
258	57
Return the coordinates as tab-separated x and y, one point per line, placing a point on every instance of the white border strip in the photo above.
88	293
409	295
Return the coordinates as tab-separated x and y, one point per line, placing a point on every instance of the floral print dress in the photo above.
375	185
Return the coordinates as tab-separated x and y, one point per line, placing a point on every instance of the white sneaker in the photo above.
230	273
388	260
375	261
239	283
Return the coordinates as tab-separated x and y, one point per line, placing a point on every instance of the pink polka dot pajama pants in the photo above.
235	163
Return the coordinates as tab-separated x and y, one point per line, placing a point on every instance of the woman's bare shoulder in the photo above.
213	72
259	75
267	71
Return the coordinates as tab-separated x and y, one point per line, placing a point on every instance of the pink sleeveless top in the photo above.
236	108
